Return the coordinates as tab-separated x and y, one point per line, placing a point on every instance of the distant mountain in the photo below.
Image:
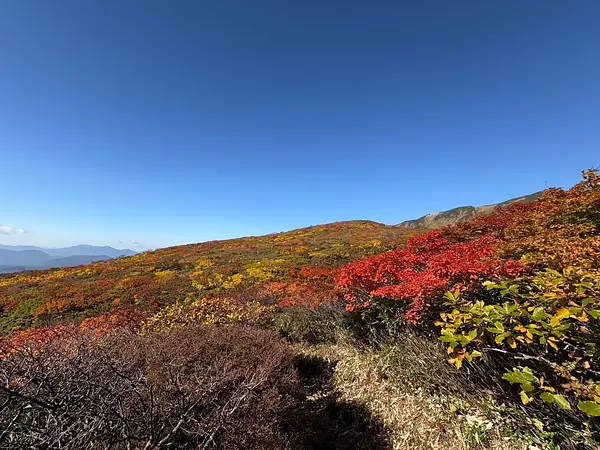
74	251
26	257
69	261
20	247
461	214
88	250
33	258
77	260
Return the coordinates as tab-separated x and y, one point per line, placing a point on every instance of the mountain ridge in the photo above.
81	249
461	213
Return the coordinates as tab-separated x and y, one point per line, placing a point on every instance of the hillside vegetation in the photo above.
481	334
284	268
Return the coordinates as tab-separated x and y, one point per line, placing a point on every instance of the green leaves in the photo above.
452	297
526	379
539	314
528	382
561	401
558	399
497	328
590	408
525	398
500	338
520	376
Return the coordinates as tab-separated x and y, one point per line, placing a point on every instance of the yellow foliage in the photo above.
136	259
266	270
203	278
165	273
205	311
27	278
202	264
202	281
371	244
233	281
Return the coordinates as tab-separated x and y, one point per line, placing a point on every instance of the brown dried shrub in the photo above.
200	388
194	388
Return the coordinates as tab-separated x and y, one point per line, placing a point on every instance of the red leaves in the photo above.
118	318
316	272
311	286
422	271
35	339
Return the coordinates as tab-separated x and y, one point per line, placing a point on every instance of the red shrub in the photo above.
310	286
420	273
119	318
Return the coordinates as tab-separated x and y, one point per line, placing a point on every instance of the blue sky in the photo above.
152	123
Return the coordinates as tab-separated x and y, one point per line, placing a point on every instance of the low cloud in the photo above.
5	230
134	242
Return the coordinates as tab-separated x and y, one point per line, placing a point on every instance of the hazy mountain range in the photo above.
17	258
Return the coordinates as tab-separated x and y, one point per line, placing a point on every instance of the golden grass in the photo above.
416	419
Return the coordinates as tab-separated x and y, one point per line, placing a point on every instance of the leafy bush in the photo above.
549	320
417	276
206	311
548	323
329	323
522	284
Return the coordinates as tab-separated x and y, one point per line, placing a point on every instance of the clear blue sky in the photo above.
167	122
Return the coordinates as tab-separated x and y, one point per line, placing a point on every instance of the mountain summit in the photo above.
461	214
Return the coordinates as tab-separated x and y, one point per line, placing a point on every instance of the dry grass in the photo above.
416	419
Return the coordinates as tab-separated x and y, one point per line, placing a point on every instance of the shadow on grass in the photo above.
326	421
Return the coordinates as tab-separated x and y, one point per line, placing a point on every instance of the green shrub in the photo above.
328	323
547	325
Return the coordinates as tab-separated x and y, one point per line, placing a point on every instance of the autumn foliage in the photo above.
284	269
523	282
419	274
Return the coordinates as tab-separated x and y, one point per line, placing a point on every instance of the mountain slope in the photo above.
285	269
460	214
272	267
